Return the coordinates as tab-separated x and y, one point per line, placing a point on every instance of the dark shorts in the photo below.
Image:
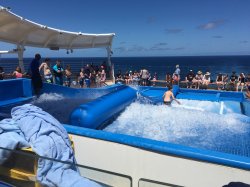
167	102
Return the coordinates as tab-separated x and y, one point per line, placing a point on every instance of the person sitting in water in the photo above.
168	97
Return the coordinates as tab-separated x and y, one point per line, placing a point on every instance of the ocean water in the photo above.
161	65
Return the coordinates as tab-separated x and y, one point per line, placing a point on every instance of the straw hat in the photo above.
199	72
207	73
177	66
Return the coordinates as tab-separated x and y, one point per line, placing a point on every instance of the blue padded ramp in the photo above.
96	113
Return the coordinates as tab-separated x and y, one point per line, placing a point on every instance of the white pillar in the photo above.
20	50
110	64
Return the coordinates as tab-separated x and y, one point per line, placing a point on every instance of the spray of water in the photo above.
58	106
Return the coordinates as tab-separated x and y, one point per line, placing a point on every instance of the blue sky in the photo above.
145	28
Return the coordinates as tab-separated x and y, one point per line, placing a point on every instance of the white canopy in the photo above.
17	30
22	32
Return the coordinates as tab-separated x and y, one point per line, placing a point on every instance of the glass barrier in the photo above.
19	168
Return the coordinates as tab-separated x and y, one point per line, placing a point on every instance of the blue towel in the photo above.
48	138
11	137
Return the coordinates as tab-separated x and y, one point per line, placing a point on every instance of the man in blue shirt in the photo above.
58	72
35	74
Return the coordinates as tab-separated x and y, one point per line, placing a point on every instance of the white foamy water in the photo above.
46	97
193	123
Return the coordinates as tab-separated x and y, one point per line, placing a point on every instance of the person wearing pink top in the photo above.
17	73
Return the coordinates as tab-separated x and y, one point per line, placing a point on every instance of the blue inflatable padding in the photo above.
14	91
176	90
198	96
246	107
96	113
209	95
165	148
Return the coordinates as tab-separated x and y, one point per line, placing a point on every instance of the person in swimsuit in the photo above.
81	78
168	97
46	71
68	75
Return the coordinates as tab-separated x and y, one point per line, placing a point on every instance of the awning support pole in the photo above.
20	50
110	64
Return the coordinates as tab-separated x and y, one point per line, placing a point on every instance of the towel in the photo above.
32	126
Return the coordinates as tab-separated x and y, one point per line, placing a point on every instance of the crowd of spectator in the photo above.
95	76
89	76
198	80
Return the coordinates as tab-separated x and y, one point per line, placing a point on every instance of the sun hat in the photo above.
207	73
177	66
199	72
